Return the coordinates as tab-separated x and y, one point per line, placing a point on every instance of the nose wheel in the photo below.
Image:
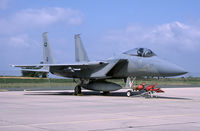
129	93
77	90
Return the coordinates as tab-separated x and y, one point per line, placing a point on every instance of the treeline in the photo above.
34	74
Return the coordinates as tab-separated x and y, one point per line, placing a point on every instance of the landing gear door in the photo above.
130	82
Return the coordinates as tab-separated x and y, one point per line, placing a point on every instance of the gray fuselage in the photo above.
147	66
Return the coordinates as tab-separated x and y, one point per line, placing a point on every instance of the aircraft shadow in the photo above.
165	97
84	93
95	93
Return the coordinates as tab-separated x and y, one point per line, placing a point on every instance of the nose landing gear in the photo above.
129	93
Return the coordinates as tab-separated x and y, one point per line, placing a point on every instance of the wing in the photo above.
83	70
77	70
74	70
90	70
52	65
35	70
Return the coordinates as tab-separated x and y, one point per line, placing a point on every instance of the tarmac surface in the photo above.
176	109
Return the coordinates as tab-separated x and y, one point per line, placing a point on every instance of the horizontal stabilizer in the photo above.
29	66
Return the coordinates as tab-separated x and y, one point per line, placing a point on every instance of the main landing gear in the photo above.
106	93
80	83
77	90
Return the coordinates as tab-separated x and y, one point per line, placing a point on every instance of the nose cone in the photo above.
169	69
176	70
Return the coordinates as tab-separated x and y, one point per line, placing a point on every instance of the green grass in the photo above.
43	82
11	85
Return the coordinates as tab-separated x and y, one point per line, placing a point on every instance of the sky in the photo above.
171	28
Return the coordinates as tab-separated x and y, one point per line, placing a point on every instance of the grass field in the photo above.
50	82
33	82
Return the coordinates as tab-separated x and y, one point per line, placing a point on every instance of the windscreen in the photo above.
142	52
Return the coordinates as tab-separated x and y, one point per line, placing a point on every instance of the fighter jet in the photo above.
92	75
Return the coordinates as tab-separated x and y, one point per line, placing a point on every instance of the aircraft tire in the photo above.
105	93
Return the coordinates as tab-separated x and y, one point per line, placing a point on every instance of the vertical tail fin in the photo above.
81	54
47	54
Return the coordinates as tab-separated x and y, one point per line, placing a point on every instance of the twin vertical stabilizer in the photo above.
80	53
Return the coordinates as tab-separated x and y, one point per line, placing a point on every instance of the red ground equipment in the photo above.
153	89
140	87
150	88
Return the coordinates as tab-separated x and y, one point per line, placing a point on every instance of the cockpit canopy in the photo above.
142	52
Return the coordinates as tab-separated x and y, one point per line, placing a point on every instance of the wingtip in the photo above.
11	65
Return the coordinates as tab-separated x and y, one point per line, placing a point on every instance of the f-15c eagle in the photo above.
93	74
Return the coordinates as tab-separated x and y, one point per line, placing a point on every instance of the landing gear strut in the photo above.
77	90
